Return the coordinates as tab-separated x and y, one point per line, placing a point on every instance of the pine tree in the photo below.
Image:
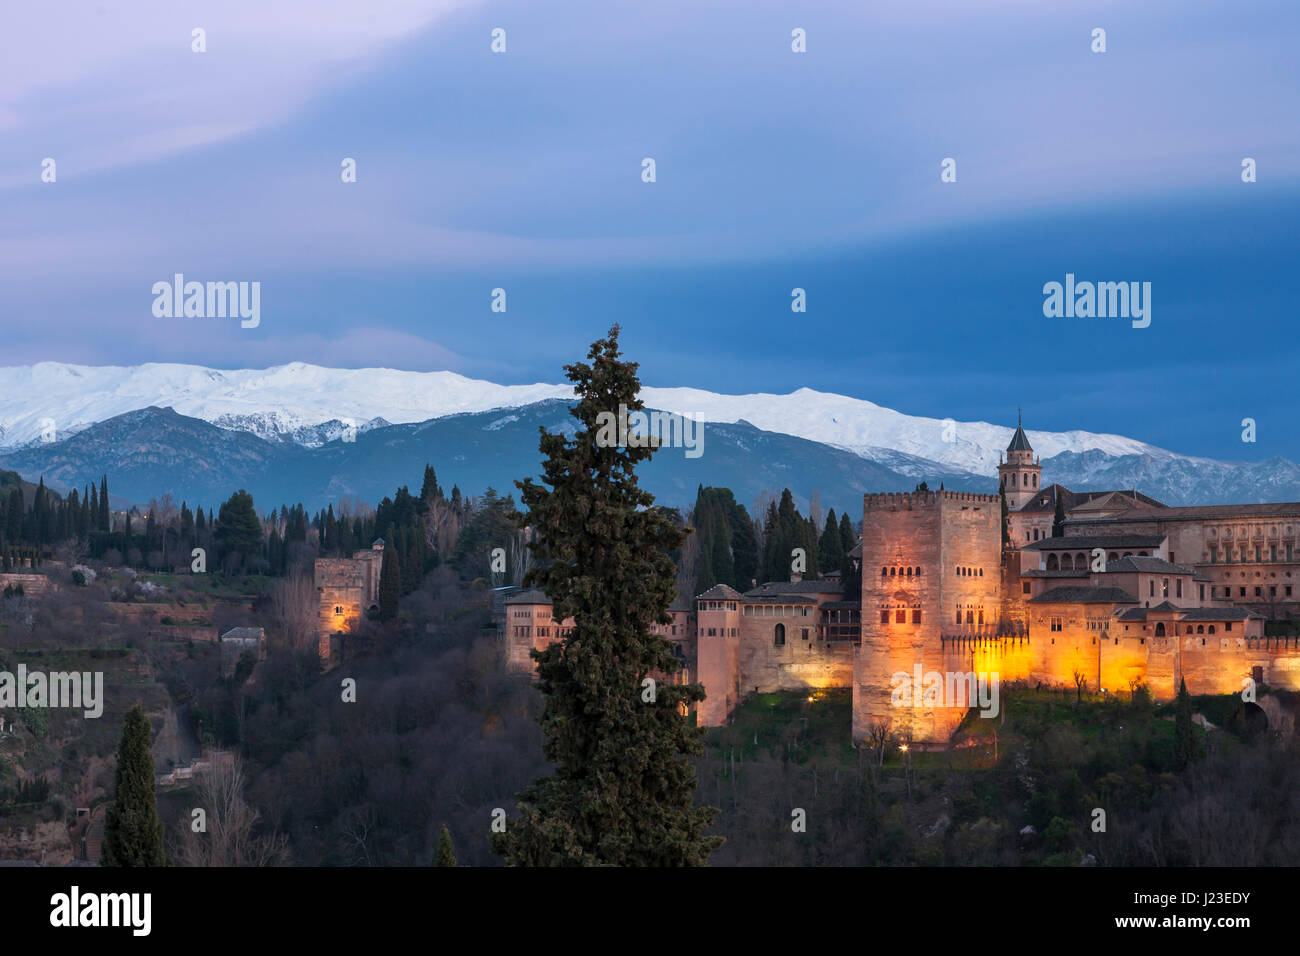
133	833
390	582
446	852
1184	743
238	528
623	789
429	491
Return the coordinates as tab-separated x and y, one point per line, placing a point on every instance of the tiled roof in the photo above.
1281	509
531	596
720	592
796	587
1086	542
1192	613
1019	441
1148	565
1080	594
1036	573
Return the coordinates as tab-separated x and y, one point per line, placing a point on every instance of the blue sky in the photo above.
775	170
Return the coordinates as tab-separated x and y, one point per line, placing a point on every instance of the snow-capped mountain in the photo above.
309	405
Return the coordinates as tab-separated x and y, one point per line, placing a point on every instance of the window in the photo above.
1180	587
884	616
1243	592
780	635
805	633
1164	587
338	609
1024	587
1055	623
1259	592
1160	629
916	616
1227	626
1152	586
900	616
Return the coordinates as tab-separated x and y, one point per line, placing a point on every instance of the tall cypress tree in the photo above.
623	789
1058	519
1184	743
105	518
446	852
829	552
133	833
1006	529
390	582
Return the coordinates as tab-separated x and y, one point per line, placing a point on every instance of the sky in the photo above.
774	170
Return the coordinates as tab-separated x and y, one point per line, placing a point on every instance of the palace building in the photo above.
1129	592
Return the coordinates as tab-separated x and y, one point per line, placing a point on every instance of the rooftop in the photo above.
1083	594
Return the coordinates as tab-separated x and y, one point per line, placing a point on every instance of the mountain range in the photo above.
304	433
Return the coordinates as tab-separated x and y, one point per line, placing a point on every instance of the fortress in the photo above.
1129	592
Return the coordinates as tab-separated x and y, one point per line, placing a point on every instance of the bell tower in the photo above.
1019	475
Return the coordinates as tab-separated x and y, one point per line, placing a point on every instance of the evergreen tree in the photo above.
14	518
744	548
1058	520
390	582
446	852
133	833
1184	742
829	553
429	491
238	528
105	517
1006	524
623	789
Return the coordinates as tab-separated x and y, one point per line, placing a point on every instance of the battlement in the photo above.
908	500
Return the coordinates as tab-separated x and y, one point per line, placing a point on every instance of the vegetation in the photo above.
623	785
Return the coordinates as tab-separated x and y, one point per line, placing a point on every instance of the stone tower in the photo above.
1018	476
930	580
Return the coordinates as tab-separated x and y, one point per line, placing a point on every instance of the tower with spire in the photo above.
1019	474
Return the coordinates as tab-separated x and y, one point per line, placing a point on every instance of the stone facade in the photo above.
1134	593
347	588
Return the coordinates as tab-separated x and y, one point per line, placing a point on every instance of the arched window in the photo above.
884	572
918	572
981	616
1200	628
1067	563
981	572
1053	563
1160	629
909	572
780	635
970	617
1035	481
893	572
1211	629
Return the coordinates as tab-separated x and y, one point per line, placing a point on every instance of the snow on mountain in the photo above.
309	405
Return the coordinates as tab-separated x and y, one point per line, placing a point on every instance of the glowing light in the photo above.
903	747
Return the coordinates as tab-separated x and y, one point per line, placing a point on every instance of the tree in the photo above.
623	789
1006	524
390	582
1058	520
1183	740
830	556
230	825
446	852
133	833
238	529
14	516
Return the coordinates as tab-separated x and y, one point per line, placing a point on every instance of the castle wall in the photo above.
954	539
718	661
